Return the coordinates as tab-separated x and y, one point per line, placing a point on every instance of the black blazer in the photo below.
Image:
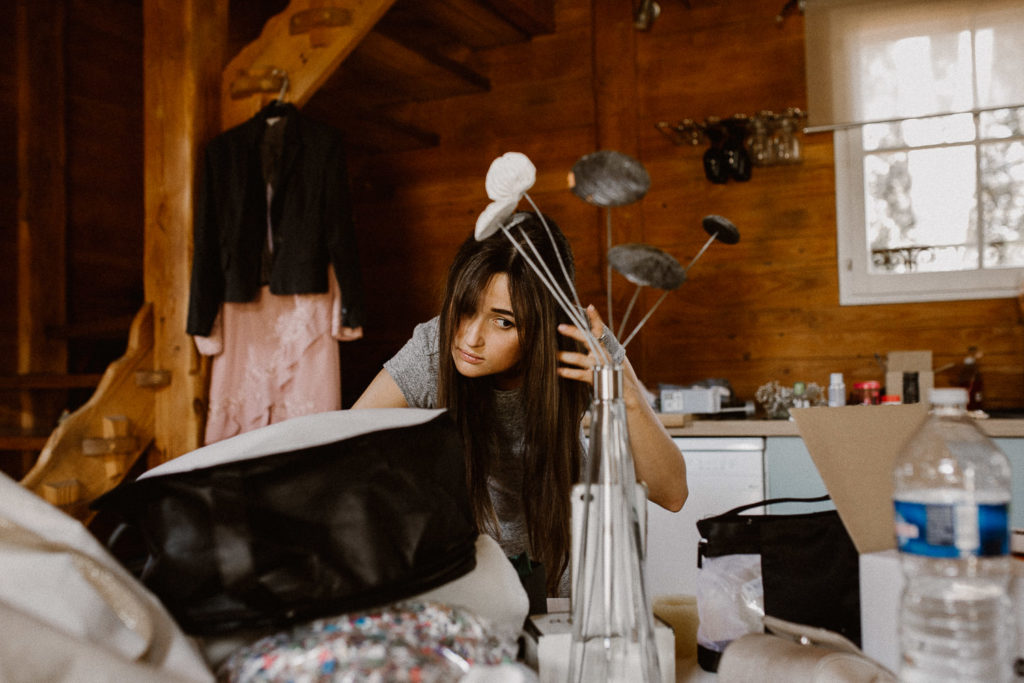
311	215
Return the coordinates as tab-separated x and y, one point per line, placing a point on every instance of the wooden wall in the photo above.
104	177
8	201
414	208
765	309
99	182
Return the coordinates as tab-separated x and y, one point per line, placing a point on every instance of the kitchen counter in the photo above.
688	425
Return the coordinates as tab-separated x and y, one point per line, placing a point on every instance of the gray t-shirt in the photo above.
414	368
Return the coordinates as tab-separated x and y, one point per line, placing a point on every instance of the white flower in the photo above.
510	176
491	218
508	179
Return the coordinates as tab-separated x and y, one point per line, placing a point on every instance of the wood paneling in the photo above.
104	184
42	202
766	308
8	198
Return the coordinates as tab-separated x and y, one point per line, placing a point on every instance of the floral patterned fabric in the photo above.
276	358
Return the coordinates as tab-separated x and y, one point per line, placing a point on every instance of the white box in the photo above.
549	640
881	583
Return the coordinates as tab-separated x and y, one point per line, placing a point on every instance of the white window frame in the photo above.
859	286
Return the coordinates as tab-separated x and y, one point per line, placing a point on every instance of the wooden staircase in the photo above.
94	447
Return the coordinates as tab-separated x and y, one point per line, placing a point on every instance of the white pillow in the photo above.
70	612
491	591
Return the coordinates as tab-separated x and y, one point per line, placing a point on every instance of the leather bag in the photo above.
802	568
311	517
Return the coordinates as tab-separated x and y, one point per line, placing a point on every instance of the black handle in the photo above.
764	503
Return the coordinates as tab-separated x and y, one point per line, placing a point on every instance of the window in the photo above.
929	145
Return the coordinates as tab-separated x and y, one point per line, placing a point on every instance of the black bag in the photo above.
808	566
331	526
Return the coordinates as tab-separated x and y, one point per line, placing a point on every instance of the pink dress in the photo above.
274	358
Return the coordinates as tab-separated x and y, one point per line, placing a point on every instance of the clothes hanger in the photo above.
278	107
262	81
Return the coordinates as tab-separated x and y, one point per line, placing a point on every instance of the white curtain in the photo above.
880	60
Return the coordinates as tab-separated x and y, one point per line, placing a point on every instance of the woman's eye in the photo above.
504	324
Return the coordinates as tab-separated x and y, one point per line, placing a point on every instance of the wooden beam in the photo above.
371	131
474	24
615	117
308	65
403	74
533	16
183	53
42	195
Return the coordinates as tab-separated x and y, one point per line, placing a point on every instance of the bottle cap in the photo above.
836	378
953	396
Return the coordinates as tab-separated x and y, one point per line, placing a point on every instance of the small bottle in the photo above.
836	390
970	379
951	495
800	399
867	393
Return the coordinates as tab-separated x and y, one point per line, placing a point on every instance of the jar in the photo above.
867	393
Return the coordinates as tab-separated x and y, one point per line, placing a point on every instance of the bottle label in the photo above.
952	529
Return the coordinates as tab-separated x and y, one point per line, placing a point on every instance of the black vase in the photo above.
716	165
737	158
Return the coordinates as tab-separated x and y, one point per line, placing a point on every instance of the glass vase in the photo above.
612	620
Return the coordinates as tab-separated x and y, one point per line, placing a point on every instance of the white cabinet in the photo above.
721	473
789	472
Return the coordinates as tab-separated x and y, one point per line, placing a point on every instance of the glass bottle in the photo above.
612	620
761	152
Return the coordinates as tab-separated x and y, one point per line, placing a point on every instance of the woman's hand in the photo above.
657	459
580	366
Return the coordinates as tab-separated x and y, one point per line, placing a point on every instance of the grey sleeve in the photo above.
414	367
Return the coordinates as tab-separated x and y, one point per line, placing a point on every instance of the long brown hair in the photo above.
553	407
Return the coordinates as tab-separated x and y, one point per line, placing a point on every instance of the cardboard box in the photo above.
899	362
854	449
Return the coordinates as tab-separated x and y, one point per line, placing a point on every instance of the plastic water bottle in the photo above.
836	390
951	500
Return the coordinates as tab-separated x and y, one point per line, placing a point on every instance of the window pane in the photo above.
999	48
936	130
1001	123
1002	203
920	210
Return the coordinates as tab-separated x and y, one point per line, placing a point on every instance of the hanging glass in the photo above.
612	621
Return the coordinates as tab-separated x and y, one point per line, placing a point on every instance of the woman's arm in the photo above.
383	392
657	459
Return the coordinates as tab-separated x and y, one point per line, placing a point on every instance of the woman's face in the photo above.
486	342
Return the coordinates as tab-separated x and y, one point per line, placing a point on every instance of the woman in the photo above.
506	344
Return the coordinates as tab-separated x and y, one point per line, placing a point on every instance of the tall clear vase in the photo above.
612	620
